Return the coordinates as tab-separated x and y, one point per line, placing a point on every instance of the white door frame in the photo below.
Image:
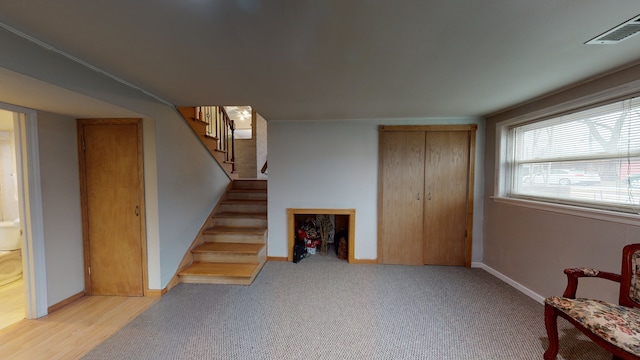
30	196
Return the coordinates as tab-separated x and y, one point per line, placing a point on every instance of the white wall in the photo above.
60	186
334	164
182	181
314	164
174	189
190	183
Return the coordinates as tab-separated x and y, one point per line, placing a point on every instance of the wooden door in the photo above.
436	162
446	186
112	194
402	194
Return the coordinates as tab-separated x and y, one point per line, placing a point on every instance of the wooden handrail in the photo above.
220	128
264	167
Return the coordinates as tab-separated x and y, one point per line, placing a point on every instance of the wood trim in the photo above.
83	206
64	302
365	261
175	280
352	227
143	207
470	194
254	126
380	199
277	258
351	242
113	121
468	127
155	292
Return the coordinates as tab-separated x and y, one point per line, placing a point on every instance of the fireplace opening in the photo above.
321	232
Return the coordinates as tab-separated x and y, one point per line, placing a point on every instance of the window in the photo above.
589	158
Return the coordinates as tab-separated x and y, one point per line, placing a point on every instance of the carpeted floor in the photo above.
324	308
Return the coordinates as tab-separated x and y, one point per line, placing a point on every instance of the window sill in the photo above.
611	216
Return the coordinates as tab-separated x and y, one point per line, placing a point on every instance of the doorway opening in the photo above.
31	227
313	226
12	286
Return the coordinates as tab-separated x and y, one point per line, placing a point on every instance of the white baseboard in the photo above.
523	289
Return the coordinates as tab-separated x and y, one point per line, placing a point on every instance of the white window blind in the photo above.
589	158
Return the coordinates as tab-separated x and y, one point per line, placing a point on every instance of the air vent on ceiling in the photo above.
617	34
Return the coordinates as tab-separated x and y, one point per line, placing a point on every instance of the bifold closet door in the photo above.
446	185
402	187
425	204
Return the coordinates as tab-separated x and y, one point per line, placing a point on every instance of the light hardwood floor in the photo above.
11	303
71	331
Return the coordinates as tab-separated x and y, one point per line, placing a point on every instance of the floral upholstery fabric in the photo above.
587	271
616	324
634	289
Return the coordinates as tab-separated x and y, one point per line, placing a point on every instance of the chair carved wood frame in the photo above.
616	328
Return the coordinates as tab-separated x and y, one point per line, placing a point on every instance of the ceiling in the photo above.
337	59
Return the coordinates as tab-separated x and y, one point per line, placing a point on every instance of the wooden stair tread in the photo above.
252	181
235	230
249	190
238	248
253	215
244	201
201	122
220	269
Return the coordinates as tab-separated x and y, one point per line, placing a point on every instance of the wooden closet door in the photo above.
446	187
402	193
112	193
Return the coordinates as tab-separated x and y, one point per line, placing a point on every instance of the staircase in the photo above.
233	242
215	130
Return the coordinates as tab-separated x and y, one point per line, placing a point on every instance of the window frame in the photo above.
504	173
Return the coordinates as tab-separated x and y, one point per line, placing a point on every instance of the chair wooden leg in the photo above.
551	323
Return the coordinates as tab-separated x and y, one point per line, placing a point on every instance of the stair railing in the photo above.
219	128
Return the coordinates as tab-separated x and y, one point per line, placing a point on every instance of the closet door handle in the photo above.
418	196
429	196
137	210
